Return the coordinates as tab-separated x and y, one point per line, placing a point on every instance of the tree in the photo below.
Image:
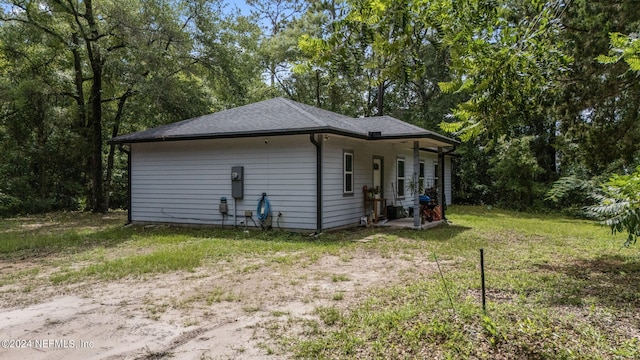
620	202
81	32
276	46
385	53
35	125
101	68
597	109
515	168
507	55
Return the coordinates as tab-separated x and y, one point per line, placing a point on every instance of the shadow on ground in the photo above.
609	280
440	233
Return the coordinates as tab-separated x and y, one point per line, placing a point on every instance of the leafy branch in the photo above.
623	47
619	207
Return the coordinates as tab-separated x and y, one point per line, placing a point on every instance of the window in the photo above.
348	172
436	174
400	177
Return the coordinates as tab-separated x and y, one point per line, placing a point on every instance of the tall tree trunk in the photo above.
318	104
95	118
380	99
110	160
98	204
40	167
82	124
78	80
112	147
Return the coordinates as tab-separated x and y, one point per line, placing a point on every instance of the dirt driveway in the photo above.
244	309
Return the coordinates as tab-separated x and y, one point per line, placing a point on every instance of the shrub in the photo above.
619	206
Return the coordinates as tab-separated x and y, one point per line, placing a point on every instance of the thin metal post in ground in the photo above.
484	298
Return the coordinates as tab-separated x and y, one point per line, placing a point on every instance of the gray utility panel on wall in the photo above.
237	182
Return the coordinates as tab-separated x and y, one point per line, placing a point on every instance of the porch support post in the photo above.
416	192
441	197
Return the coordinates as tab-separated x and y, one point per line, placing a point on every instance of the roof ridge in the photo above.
293	104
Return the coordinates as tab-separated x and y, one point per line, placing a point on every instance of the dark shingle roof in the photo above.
281	116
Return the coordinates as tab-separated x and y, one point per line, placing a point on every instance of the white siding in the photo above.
183	181
339	209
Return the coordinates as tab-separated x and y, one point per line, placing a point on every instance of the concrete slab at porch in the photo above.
407	223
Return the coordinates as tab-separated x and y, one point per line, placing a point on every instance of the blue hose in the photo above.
264	207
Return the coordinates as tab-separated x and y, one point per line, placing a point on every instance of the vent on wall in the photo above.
375	134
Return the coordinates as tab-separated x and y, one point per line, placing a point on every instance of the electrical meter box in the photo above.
223	207
237	182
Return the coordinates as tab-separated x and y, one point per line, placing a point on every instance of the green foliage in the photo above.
573	193
483	70
472	183
623	47
597	109
584	115
515	168
619	206
8	204
377	57
507	57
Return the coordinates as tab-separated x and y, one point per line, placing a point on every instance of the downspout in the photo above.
441	197
417	221
318	145
128	152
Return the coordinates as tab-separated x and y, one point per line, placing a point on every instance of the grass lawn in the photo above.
556	287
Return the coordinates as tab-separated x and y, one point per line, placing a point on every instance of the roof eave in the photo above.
229	135
328	130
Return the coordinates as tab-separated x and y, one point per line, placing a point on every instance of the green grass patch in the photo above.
557	288
185	252
98	246
339	277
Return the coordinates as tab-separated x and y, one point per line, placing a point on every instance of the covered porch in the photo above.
417	182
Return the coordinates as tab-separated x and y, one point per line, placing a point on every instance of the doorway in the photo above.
378	184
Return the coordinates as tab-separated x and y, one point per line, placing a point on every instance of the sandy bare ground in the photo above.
239	310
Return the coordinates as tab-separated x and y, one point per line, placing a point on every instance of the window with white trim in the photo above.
348	172
400	178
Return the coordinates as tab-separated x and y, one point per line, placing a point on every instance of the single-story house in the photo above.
312	164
